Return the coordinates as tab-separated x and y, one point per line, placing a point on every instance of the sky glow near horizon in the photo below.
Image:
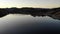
29	3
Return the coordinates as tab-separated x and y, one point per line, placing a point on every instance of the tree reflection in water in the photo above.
54	12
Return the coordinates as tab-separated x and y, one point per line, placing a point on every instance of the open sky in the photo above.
29	3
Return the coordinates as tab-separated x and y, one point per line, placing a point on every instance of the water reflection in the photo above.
54	12
14	24
30	21
54	16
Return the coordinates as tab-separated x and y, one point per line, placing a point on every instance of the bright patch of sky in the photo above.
30	3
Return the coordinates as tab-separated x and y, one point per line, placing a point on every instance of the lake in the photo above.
27	24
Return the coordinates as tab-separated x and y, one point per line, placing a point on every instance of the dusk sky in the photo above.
29	3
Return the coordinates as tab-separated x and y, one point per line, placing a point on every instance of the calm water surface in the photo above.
16	23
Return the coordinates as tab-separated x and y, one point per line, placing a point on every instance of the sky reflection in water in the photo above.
26	23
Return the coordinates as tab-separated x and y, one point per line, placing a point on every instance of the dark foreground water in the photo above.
26	24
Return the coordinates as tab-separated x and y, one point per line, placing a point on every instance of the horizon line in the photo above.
28	7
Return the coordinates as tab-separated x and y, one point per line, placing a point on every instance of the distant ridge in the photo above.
53	12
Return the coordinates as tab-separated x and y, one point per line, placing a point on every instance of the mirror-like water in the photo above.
16	23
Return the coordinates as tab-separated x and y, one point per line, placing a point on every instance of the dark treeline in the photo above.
54	12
